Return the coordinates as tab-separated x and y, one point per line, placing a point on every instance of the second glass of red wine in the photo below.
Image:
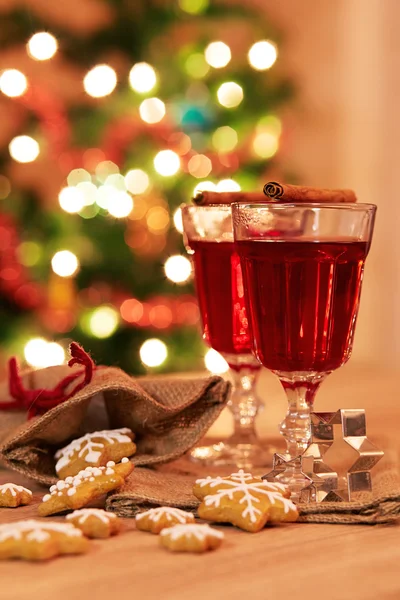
208	235
303	266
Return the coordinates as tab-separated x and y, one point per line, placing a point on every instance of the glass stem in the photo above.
296	427
244	404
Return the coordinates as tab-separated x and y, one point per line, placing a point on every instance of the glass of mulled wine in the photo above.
302	270
208	236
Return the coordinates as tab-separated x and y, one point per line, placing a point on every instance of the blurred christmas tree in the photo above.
113	112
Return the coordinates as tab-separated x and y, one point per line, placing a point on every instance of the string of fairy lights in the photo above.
119	194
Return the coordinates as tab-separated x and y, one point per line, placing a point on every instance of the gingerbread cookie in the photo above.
37	540
191	537
91	483
12	495
207	486
247	502
95	523
157	519
95	450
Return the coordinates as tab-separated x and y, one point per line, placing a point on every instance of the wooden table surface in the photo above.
298	561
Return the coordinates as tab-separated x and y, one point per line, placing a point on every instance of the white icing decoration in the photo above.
200	532
13	488
85	513
155	514
249	491
110	463
68	486
36	530
88	449
125	460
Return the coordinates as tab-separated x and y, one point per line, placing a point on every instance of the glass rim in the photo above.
214	206
354	206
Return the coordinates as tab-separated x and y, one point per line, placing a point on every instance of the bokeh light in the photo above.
29	253
104	169
194	7
215	362
228	185
204	186
199	166
230	94
178	268
142	77
265	144
217	54
167	163
270	123
132	310
40	354
157	219
160	316
152	110
78	176
64	263
103	195
178	222
24	149
153	352
100	81
120	204
117	181
88	191
262	55
224	139
196	65
71	199
42	46
13	83
103	321
137	181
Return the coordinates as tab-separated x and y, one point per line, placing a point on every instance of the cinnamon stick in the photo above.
281	192
209	198
276	192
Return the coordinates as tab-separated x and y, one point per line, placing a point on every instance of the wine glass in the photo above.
208	237
302	268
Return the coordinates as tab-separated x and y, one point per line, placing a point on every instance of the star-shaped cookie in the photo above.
244	500
12	495
38	540
91	483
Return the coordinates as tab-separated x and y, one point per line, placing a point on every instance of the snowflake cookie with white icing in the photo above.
76	492
245	501
38	540
12	495
191	537
94	450
157	519
95	522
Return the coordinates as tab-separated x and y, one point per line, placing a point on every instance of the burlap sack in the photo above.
168	417
171	485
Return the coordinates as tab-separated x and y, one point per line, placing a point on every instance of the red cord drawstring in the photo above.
39	401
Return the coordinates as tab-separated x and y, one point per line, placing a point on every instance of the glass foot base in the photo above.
241	456
287	470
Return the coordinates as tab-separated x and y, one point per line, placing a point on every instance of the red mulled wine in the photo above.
219	286
303	300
